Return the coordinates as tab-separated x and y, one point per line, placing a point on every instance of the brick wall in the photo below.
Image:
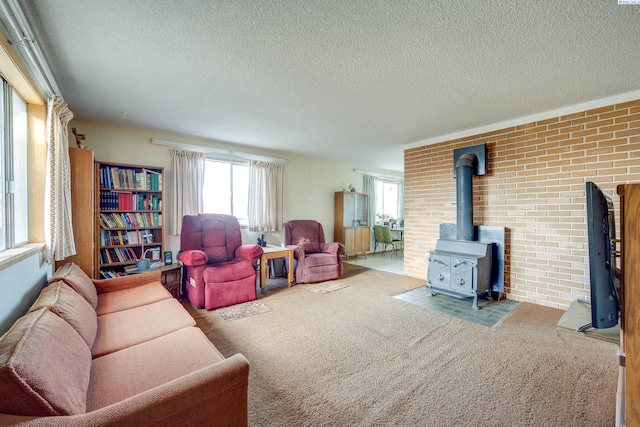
534	188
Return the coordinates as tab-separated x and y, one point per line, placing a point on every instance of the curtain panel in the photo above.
266	196
59	227
370	184
187	181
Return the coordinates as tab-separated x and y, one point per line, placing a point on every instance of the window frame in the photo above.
9	156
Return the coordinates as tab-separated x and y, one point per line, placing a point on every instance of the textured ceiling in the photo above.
351	80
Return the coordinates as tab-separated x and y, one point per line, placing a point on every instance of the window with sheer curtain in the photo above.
252	191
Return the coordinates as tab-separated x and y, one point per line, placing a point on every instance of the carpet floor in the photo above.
357	356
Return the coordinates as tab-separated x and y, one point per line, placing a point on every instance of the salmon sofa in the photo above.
119	352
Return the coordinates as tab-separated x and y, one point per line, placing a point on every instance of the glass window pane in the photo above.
217	187
20	197
391	199
241	191
386	200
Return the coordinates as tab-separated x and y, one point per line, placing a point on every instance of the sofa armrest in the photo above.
333	248
193	258
215	395
250	252
125	282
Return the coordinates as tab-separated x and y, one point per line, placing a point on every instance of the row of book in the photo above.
131	220
125	237
114	255
130	178
129	201
110	274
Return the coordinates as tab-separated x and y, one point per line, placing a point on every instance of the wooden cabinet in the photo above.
629	387
351	226
129	223
82	210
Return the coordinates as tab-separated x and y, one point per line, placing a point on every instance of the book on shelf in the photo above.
130	178
109	274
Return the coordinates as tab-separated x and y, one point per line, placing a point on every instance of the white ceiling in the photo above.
351	80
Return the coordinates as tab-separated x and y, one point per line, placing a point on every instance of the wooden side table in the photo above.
171	277
272	252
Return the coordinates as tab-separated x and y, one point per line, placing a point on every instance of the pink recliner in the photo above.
314	259
218	269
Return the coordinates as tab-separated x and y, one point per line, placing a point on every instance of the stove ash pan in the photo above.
460	268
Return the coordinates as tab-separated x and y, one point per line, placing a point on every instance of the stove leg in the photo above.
475	303
433	294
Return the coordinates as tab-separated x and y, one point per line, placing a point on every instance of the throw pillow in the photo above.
44	367
73	276
62	300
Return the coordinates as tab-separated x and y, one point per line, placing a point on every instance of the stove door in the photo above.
439	270
462	274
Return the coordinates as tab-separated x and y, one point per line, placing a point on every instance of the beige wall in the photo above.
310	183
535	188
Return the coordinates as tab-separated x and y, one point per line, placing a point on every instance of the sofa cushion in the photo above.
124	299
320	259
230	271
122	329
62	300
44	367
73	276
120	375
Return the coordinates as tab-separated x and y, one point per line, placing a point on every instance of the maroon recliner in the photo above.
314	259
218	269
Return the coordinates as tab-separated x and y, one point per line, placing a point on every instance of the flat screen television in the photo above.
603	273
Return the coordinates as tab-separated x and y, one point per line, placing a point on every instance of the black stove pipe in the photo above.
464	197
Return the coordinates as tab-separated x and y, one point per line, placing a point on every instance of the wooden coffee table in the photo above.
272	252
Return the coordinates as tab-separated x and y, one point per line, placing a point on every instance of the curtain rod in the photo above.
380	175
23	41
218	153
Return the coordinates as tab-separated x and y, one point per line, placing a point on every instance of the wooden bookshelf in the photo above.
82	211
129	223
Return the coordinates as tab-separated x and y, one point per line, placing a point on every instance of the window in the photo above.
14	209
386	199
226	189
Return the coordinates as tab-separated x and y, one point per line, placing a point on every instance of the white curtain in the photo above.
369	184
59	228
266	196
187	180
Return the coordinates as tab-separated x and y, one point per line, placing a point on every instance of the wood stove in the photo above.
460	268
464	266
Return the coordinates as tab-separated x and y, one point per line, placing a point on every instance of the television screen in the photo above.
604	276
